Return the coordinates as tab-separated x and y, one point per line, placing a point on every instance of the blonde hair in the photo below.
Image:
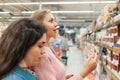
39	15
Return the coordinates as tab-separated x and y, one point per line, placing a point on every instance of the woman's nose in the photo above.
56	24
43	51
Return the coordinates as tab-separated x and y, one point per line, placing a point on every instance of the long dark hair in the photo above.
16	40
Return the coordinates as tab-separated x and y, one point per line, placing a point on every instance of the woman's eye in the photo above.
40	46
51	20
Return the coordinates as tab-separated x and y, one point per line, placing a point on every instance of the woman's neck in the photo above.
23	64
26	67
47	42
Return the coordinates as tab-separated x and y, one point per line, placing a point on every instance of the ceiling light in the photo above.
4	12
28	12
72	11
46	3
72	20
62	17
19	17
81	2
21	3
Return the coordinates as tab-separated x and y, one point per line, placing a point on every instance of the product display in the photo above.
107	36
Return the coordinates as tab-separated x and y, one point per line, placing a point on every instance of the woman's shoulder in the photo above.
12	76
19	74
48	50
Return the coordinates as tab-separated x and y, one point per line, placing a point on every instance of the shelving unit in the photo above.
113	75
112	48
113	22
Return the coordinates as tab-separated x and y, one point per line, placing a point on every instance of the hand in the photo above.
90	65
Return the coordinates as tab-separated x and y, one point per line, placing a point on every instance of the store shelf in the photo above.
113	75
112	48
99	44
115	49
109	47
117	19
107	70
111	23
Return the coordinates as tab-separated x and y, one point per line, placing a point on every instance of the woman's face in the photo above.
51	25
34	53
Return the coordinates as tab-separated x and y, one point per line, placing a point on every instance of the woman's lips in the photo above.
54	31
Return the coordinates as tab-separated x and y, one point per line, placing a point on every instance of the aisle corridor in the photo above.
75	60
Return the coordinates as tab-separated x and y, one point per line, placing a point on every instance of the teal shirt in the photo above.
19	74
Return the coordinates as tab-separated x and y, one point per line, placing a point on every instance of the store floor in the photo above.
75	60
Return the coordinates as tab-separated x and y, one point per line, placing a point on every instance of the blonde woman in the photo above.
50	66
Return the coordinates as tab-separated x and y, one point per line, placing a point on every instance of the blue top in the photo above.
19	74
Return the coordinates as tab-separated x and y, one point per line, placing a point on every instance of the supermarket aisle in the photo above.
75	60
